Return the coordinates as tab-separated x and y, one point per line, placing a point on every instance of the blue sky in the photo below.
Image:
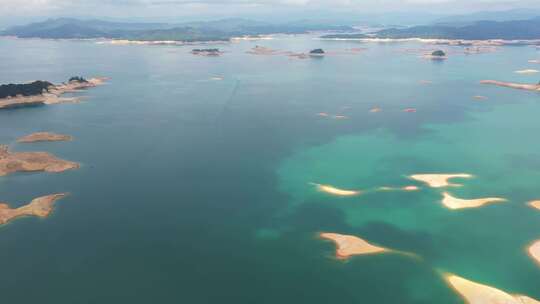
193	9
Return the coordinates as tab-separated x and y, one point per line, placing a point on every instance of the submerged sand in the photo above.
336	191
520	86
456	203
44	136
439	180
53	96
349	245
31	162
476	293
534	204
41	207
534	251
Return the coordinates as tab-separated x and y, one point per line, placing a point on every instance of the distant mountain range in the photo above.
68	28
480	30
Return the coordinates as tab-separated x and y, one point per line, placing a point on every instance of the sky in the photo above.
208	9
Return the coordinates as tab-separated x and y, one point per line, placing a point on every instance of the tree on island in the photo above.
317	52
438	53
77	79
27	89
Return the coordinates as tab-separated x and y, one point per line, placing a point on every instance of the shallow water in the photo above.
197	190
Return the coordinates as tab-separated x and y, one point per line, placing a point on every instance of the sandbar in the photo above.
476	293
375	110
336	191
527	71
439	180
409	110
44	136
456	203
405	188
520	86
480	97
31	162
534	251
535	204
534	61
349	245
41	207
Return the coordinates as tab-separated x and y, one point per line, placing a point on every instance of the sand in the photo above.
409	110
476	293
520	86
375	110
405	188
534	61
455	203
534	251
44	136
31	162
528	71
349	245
535	204
336	191
439	180
341	117
480	97
41	207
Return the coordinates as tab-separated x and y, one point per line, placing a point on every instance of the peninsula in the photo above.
43	92
349	245
439	180
31	162
476	293
44	136
40	207
453	203
520	86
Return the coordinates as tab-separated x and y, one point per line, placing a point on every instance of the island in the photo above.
206	52
534	251
454	203
336	191
40	92
436	55
316	52
520	86
535	204
476	293
349	245
439	180
40	207
44	136
31	162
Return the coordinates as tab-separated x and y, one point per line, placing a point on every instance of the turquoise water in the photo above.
195	190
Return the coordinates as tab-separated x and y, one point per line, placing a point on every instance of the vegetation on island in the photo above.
28	89
438	53
317	52
79	79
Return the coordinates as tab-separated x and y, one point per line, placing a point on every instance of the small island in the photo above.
349	245
436	55
44	136
31	162
454	203
336	191
317	52
206	52
439	180
534	251
476	293
40	207
520	86
40	92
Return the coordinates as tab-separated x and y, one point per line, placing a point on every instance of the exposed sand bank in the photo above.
336	191
53	96
527	71
439	180
41	207
31	162
349	245
456	203
520	86
375	110
44	136
535	204
405	188
476	293
534	251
